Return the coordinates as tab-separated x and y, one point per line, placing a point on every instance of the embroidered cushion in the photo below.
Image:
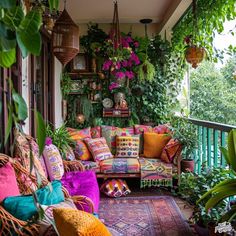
115	188
53	161
127	146
23	143
96	132
140	130
75	222
8	184
170	150
154	144
110	133
23	207
120	165
81	151
99	149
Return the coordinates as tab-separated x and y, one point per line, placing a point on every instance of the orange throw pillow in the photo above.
154	144
74	222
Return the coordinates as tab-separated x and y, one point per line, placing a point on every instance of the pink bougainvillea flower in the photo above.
135	58
107	64
128	39
113	85
136	44
129	74
124	43
124	63
117	65
120	75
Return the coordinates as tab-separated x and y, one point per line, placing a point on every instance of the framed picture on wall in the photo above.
80	63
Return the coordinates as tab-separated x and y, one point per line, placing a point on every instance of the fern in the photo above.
146	71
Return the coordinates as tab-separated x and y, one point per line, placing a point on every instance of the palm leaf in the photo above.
41	132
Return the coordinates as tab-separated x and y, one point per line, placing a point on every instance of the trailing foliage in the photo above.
66	84
211	16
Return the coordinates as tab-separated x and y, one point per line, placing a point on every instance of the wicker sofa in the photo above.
124	167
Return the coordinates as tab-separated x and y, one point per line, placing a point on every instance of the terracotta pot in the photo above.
101	75
80	118
187	165
194	55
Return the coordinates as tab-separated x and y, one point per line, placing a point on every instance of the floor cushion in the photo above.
8	184
82	183
75	222
23	207
154	144
120	165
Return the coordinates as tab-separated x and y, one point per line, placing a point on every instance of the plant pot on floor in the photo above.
187	165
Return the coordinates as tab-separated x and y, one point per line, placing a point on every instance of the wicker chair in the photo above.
9	223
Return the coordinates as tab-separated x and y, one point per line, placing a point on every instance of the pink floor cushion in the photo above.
120	165
8	184
82	183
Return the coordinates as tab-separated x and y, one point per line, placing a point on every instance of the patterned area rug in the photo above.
144	216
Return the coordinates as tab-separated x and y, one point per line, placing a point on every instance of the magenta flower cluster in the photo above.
122	66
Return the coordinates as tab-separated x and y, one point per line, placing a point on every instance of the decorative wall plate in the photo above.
107	103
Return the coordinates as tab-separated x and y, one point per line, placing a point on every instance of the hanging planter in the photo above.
194	55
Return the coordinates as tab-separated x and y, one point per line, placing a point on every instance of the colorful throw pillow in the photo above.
110	133
53	161
23	144
127	146
96	132
70	156
79	134
23	207
75	222
48	219
162	129
115	188
8	184
170	150
99	149
140	130
81	151
154	144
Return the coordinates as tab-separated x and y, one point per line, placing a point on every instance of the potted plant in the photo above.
185	133
194	53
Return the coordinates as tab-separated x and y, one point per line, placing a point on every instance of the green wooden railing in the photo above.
211	136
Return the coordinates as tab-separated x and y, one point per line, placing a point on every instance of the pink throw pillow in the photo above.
8	184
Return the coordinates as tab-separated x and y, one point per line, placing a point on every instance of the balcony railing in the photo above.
211	136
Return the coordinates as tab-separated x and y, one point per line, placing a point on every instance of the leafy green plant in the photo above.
60	138
226	187
185	132
193	186
21	29
146	71
86	107
66	84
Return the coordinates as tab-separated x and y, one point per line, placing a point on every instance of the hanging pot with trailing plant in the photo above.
194	55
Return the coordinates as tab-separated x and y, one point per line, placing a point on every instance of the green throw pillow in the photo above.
23	207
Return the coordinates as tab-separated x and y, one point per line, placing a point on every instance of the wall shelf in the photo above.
112	112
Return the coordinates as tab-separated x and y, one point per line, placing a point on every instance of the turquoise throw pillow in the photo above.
23	207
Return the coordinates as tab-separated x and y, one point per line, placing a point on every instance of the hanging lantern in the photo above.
65	38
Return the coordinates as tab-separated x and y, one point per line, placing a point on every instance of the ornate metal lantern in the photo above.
65	38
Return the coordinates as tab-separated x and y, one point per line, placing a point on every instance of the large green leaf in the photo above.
7	3
229	214
231	150
29	43
13	17
41	132
7	58
6	45
53	5
22	110
31	23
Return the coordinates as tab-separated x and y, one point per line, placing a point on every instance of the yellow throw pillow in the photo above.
154	144
75	222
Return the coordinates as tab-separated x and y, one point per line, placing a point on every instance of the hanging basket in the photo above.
194	55
65	38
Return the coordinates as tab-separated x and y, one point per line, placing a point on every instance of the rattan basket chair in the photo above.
9	225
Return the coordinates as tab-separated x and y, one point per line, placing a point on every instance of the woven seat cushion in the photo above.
74	222
82	183
8	184
120	165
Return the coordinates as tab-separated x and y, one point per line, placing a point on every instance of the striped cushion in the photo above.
99	149
120	165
